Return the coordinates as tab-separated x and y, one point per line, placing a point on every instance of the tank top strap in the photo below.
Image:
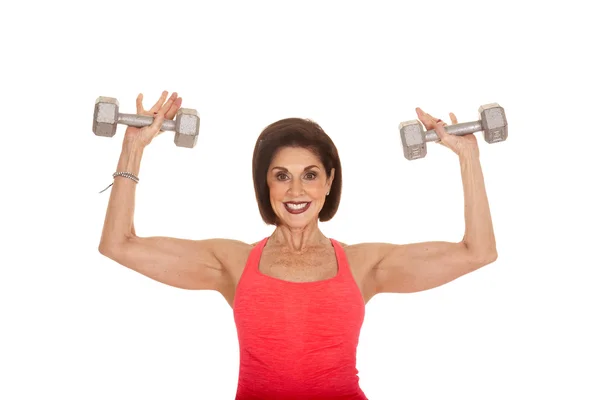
254	257
258	248
340	254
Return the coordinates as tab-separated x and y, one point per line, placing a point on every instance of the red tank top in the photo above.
298	339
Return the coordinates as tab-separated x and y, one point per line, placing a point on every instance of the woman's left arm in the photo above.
421	266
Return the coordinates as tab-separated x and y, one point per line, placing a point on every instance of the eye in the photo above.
311	175
280	177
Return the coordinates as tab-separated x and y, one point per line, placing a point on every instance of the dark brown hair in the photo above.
302	133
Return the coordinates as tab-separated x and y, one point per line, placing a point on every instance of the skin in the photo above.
297	175
297	250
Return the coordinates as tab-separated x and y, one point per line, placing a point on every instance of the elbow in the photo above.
107	248
103	249
482	257
487	257
492	257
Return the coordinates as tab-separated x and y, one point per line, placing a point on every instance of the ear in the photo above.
330	179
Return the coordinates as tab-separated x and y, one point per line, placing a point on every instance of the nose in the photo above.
296	188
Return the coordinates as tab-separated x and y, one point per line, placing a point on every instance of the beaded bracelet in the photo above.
124	175
127	175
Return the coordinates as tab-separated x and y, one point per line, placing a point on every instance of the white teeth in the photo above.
296	206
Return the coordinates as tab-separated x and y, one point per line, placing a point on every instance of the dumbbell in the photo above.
106	117
492	123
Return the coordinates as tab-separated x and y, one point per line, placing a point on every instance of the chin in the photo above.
297	220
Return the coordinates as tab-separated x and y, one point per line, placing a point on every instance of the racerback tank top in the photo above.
298	340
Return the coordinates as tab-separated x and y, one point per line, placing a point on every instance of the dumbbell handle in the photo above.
139	121
461	129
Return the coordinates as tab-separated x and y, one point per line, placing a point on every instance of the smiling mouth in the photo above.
297	208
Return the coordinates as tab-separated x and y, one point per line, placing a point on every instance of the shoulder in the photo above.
231	253
357	247
363	259
232	256
360	253
366	254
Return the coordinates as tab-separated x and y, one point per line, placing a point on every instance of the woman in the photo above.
298	297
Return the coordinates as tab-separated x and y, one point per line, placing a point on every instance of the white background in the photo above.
76	325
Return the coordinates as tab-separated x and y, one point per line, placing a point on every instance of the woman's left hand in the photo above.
461	145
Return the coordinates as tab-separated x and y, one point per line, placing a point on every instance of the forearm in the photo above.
118	223
479	232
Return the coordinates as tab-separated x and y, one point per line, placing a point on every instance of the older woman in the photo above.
298	297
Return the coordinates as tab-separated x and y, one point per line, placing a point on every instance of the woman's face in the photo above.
298	186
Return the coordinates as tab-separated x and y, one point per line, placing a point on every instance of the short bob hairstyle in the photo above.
302	133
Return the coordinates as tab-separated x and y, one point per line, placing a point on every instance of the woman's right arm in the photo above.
186	264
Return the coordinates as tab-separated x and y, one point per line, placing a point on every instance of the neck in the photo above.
298	240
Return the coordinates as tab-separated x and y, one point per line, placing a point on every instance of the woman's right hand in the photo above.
163	109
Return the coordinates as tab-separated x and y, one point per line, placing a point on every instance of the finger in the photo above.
138	104
426	119
423	116
440	130
163	110
170	114
453	119
160	102
157	123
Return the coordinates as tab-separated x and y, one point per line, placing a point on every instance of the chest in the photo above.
308	266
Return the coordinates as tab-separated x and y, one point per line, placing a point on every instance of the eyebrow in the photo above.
286	170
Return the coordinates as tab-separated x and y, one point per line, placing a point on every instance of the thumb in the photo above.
156	125
440	130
